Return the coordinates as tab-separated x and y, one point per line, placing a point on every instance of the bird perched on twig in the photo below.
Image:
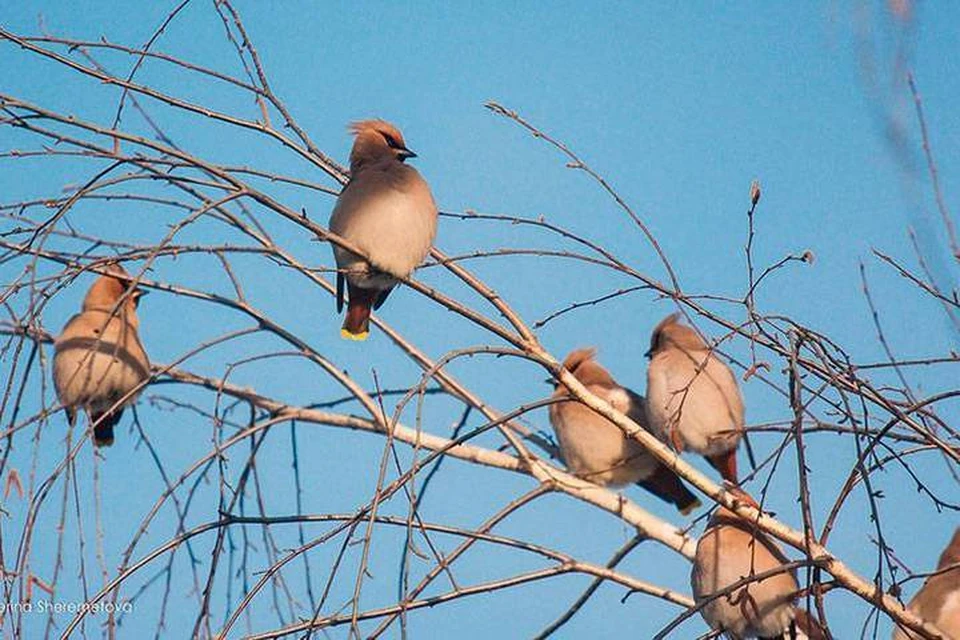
595	449
387	212
731	550
98	360
693	397
938	600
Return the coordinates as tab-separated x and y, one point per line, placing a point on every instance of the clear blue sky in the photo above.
677	106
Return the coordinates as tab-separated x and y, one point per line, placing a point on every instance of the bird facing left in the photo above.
99	363
387	212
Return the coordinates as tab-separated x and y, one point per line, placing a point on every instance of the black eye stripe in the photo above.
391	141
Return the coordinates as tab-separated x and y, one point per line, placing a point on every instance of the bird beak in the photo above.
550	381
405	153
648	354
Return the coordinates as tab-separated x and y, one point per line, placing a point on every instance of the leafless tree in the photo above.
230	542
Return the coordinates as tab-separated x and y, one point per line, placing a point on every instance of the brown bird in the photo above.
693	397
596	449
731	550
98	359
938	600
386	211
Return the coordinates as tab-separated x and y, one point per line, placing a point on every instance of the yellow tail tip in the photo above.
690	508
357	337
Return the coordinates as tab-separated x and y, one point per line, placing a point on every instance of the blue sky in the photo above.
678	107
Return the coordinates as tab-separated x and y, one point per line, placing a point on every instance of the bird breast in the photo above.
97	362
393	221
697	395
727	554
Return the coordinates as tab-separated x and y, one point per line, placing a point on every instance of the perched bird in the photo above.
596	449
693	397
386	211
938	600
731	550
98	359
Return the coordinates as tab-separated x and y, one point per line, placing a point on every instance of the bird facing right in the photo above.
98	360
938	600
692	397
387	212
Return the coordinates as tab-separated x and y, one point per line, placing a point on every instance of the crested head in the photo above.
379	126
109	288
670	333
377	141
583	365
951	555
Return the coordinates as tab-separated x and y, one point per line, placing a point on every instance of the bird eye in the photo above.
392	142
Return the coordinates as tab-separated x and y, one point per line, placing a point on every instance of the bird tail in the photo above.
104	424
356	326
726	464
809	625
667	486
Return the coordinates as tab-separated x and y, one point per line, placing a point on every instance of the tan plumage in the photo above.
98	358
386	211
596	449
938	600
730	550
693	397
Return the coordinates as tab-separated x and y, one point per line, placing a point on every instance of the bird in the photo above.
99	362
595	449
730	550
388	213
938	600
692	397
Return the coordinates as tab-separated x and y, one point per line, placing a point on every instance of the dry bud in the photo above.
755	192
